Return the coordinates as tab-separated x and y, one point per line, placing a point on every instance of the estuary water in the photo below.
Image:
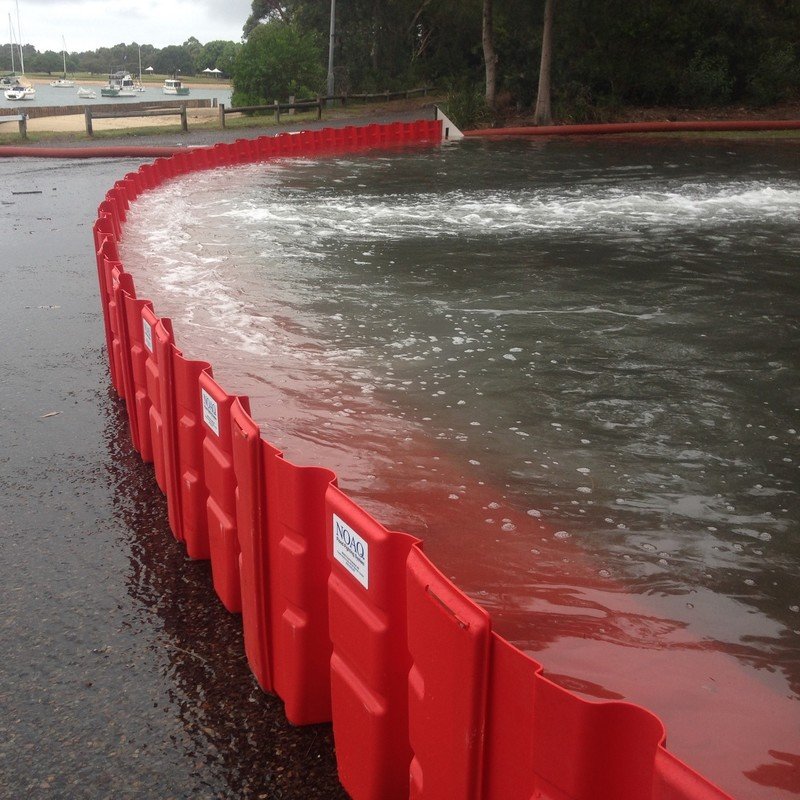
47	95
572	367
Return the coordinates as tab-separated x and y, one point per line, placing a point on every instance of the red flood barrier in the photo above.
161	415
448	638
220	483
140	345
280	512
345	620
191	522
607	128
370	661
298	591
149	328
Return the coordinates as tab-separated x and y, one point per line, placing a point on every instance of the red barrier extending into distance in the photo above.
685	126
345	620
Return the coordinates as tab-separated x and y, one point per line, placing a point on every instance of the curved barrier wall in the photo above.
345	620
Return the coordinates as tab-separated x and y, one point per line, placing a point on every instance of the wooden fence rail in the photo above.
387	95
22	119
90	115
277	108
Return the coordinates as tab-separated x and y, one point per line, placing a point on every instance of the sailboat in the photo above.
7	81
139	86
17	91
64	82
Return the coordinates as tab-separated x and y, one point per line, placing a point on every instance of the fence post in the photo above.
184	120
23	125
319	108
291	103
277	111
222	115
87	114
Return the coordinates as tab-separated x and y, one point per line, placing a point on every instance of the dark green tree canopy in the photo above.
665	52
278	60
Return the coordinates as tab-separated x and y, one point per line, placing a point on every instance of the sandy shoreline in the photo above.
76	123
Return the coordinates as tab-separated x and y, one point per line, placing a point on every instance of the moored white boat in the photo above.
120	84
87	94
174	86
20	93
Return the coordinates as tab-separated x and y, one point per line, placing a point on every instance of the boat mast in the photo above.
19	33
11	39
64	53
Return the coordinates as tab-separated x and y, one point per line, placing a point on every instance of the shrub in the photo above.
466	104
706	81
776	77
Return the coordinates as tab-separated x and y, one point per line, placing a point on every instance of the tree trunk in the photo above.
374	49
489	54
543	115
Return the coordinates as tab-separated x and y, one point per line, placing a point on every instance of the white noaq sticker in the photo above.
210	411
148	335
351	551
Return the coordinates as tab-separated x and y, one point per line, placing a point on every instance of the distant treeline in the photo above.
189	58
607	54
616	52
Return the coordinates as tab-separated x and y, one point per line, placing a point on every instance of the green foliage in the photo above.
278	60
575	104
172	59
466	105
606	54
697	52
776	75
219	54
706	82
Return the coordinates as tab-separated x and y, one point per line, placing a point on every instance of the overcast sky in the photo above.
89	24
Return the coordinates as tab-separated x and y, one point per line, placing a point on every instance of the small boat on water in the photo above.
87	94
20	92
174	86
63	82
120	84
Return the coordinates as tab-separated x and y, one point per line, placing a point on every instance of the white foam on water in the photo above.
480	214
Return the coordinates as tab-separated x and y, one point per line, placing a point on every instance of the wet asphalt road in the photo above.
121	675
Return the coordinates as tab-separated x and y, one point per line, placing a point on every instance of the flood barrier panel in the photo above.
345	620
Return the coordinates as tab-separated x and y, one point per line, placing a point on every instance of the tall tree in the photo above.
263	10
543	115
489	53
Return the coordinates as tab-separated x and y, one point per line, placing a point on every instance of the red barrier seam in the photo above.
461	623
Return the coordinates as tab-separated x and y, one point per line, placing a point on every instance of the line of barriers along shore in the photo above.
347	621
